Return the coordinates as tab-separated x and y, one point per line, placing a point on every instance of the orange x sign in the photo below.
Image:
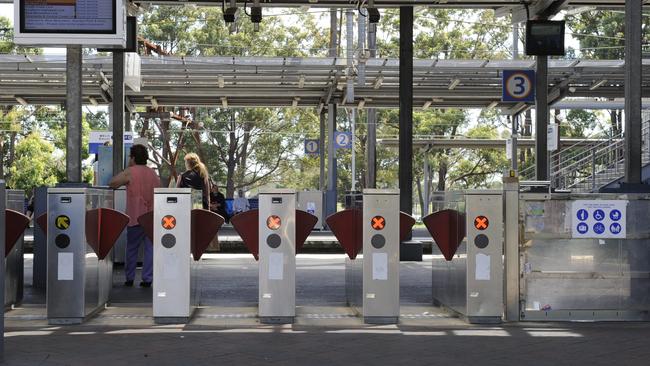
273	222
168	222
378	223
481	222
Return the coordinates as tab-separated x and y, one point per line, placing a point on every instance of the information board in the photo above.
90	23
599	219
67	16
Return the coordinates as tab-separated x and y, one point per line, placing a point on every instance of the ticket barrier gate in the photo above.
579	257
119	249
371	237
82	228
181	231
468	268
15	223
274	234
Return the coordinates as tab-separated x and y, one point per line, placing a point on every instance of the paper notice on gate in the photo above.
65	267
171	268
482	267
379	266
276	266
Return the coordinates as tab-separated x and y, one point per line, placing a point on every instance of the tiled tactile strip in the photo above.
227	316
327	316
426	316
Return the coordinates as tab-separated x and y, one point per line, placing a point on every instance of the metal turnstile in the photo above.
175	273
468	267
14	262
81	230
274	234
312	202
277	250
119	251
371	237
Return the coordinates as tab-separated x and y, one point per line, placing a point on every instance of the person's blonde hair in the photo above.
193	162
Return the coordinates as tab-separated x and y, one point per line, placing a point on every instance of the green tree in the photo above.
601	35
34	165
7	45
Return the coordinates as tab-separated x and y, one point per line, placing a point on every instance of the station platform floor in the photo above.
225	328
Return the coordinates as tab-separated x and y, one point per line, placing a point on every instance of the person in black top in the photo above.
218	202
196	177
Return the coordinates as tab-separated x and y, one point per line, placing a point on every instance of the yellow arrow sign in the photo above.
62	222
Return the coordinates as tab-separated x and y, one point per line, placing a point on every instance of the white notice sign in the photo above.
276	266
552	137
509	149
65	267
482	267
379	266
599	219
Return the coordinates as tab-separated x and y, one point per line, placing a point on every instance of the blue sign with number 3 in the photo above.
518	86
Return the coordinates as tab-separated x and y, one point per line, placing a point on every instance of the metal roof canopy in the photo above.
276	82
500	5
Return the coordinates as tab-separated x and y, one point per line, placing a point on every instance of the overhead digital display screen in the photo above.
68	16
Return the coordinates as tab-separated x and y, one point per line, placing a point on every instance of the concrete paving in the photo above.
225	328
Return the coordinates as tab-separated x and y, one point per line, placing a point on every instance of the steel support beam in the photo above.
333	33
541	118
73	106
633	92
406	108
118	111
321	150
371	119
331	161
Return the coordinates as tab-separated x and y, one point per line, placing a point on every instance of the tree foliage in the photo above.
35	164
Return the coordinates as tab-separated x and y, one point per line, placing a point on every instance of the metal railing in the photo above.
586	169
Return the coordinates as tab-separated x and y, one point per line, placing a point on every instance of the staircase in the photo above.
587	169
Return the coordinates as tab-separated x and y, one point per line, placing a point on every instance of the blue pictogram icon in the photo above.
599	215
582	214
615	228
583	228
615	215
599	228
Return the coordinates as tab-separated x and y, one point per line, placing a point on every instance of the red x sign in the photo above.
168	222
273	222
378	222
481	222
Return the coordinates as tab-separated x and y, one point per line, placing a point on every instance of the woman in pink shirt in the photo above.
140	181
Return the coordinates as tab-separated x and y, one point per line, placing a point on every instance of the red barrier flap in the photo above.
42	222
146	221
305	223
406	223
205	226
15	225
246	225
447	227
103	227
346	226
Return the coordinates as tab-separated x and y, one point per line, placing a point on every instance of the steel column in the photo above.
73	62
118	111
321	151
331	161
633	92
371	118
333	33
541	118
2	268
406	108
